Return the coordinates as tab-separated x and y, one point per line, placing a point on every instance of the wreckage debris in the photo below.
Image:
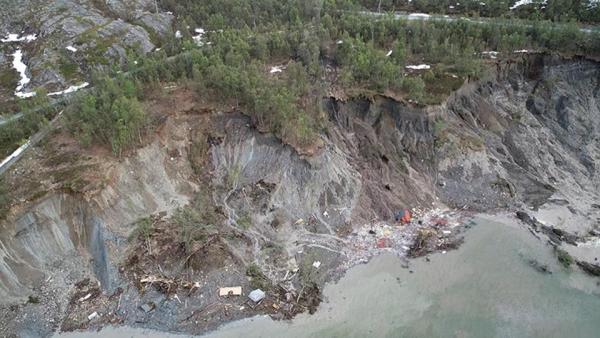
257	295
86	297
148	307
230	291
384	243
426	231
403	216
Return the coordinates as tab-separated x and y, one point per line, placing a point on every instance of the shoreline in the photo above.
254	325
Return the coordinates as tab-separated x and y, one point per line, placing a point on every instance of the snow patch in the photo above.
521	3
276	69
418	67
16	38
21	68
22	95
15	154
418	16
491	54
71	89
199	37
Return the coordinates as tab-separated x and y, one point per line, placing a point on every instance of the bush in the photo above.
4	200
563	257
258	280
414	87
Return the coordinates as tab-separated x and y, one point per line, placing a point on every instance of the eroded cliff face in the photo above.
536	128
84	231
524	138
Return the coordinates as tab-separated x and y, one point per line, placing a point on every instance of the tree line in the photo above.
307	38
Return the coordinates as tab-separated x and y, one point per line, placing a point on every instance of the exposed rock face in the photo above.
78	229
303	187
101	32
536	127
392	147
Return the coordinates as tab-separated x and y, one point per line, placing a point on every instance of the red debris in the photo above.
440	222
384	243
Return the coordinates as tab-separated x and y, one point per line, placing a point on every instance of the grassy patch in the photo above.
70	178
439	85
97	46
198	153
68	69
195	226
4	200
258	280
233	176
245	221
440	132
9	79
143	229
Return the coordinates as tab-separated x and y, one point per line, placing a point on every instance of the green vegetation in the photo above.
309	38
563	257
4	199
233	176
440	132
110	114
32	299
144	228
197	220
95	55
67	68
245	221
258	280
9	78
555	10
14	133
193	226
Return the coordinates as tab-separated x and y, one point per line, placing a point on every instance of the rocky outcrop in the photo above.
101	32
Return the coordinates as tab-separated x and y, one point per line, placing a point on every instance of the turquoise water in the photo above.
487	288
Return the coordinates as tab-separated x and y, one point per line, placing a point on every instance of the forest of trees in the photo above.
554	10
36	112
111	114
308	38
